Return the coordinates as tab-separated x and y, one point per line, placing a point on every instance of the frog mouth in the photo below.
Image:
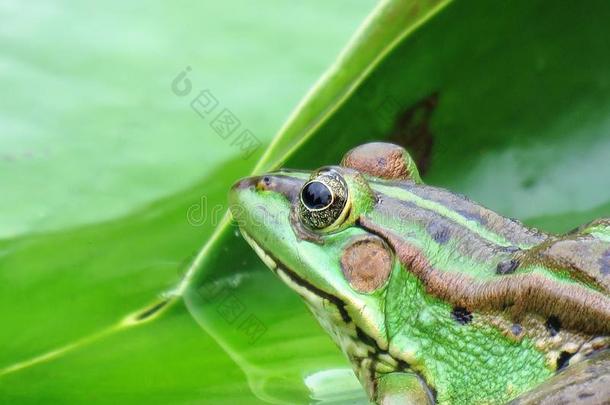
295	281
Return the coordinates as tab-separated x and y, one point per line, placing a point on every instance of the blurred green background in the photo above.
90	127
99	162
111	186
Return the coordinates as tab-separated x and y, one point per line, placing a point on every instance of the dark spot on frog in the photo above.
461	315
507	304
604	263
553	325
438	232
507	266
412	131
516	329
563	360
584	395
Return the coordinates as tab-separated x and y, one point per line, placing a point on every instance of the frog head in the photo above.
304	227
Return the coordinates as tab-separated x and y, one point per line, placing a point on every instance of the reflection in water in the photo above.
267	331
335	386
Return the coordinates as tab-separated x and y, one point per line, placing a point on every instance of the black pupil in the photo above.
316	195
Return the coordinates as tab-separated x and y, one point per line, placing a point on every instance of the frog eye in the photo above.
323	201
316	196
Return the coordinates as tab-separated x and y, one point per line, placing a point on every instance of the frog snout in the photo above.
246	183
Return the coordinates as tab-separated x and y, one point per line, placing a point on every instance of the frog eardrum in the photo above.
324	201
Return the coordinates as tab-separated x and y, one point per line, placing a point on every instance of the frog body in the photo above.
432	297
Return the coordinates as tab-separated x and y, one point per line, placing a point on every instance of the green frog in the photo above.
432	297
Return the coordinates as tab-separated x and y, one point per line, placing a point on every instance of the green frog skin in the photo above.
432	297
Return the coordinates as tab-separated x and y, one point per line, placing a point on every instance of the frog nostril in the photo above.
263	183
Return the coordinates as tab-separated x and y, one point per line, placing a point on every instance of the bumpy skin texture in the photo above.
382	160
415	283
474	361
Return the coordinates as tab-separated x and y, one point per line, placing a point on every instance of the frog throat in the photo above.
363	351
